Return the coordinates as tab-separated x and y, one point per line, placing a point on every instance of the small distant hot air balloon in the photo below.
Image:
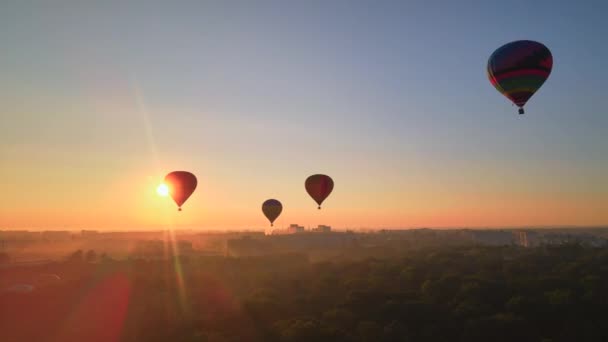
518	69
272	209
319	187
181	185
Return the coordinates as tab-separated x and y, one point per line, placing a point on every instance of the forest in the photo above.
431	293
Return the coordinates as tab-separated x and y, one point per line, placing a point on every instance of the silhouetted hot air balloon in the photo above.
181	185
518	69
272	209
319	187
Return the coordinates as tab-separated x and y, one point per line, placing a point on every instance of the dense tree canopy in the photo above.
451	293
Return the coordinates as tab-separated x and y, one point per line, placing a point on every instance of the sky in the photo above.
99	100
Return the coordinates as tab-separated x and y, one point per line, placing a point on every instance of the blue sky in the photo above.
389	97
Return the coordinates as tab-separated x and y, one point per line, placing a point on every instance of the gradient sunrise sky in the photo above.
99	100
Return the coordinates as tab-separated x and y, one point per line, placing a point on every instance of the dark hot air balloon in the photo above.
272	209
518	69
319	187
181	185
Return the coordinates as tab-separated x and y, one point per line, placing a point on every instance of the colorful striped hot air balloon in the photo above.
272	209
319	187
518	69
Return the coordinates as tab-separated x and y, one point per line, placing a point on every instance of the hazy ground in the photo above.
422	285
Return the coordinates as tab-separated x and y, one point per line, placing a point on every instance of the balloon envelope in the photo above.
319	187
181	185
272	209
518	69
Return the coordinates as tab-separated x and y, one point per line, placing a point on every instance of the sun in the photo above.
162	190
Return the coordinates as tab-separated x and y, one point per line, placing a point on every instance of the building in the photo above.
19	235
490	237
322	229
88	234
526	238
56	235
294	228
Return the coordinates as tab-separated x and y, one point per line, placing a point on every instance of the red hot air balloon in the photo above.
272	209
181	185
518	69
319	187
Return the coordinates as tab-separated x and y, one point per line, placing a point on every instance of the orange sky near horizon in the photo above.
85	197
112	185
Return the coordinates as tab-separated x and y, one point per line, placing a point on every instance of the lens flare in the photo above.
162	190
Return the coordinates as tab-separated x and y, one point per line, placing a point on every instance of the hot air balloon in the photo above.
319	187
181	185
272	209
518	69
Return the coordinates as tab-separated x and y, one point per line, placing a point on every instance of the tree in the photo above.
76	256
91	256
4	258
369	331
395	331
105	258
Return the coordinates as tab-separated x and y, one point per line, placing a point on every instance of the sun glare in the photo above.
162	190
